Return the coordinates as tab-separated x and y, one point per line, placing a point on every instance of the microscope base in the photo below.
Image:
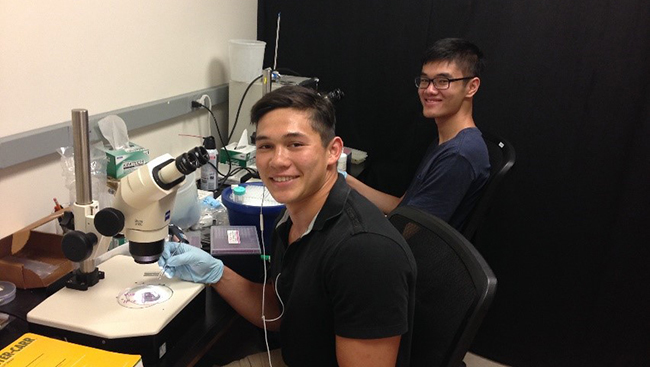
81	281
151	348
95	318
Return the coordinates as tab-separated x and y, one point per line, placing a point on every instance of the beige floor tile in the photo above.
472	360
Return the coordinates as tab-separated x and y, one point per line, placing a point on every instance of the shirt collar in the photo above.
333	207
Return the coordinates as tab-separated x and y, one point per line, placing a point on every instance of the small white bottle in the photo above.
238	193
209	175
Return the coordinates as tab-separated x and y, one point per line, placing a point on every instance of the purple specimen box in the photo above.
234	240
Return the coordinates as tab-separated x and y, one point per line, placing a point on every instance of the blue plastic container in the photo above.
249	215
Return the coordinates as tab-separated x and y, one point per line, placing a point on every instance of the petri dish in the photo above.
144	295
7	292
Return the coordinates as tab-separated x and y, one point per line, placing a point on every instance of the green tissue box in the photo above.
242	157
121	162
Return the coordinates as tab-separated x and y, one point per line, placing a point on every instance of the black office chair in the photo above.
502	158
453	290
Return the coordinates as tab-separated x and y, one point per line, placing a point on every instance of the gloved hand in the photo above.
190	263
345	174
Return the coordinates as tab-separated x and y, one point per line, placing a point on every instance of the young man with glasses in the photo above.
452	174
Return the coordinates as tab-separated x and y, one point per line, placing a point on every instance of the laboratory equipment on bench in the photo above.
143	203
124	307
243	95
255	205
130	311
141	207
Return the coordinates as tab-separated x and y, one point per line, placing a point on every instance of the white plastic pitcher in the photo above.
187	210
246	59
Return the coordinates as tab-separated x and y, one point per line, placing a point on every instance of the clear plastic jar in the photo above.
238	193
212	213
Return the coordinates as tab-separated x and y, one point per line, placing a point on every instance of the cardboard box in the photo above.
121	162
33	259
242	157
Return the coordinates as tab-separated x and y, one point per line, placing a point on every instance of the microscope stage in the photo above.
100	310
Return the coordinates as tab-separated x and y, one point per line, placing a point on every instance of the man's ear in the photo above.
472	87
334	149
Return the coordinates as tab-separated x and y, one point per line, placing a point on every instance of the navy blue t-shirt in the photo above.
451	177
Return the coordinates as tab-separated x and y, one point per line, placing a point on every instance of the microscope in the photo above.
131	310
143	202
141	209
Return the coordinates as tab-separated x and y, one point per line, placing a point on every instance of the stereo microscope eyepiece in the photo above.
187	163
168	175
202	155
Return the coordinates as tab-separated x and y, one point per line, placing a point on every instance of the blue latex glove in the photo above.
190	263
345	174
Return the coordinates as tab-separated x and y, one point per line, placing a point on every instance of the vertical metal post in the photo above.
266	81
80	138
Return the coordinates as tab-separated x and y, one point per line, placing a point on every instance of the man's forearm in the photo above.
385	202
246	298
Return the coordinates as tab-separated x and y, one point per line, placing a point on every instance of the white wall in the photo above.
103	56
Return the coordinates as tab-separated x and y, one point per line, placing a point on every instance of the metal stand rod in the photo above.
80	133
266	81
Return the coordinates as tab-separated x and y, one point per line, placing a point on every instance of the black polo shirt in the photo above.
352	274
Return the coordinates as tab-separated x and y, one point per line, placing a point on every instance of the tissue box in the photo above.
33	259
121	162
242	157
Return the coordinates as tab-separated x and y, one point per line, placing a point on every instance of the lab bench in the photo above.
204	333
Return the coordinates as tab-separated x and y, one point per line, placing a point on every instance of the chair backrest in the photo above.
502	158
453	290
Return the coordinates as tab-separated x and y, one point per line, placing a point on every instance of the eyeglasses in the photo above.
439	83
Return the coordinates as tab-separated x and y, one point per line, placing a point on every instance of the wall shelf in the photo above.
23	147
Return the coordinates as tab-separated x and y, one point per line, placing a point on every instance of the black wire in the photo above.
247	169
215	123
241	102
216	168
225	149
230	169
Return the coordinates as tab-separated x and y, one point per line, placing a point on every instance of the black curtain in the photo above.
567	83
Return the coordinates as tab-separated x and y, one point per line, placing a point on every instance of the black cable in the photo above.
230	169
216	168
225	149
215	122
234	126
241	102
247	169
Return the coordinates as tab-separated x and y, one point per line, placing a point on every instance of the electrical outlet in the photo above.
202	100
197	101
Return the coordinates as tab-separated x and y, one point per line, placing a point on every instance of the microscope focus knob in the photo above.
109	221
78	246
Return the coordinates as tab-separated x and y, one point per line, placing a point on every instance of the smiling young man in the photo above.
452	174
344	277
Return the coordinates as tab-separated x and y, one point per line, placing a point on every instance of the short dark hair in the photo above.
465	54
321	109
